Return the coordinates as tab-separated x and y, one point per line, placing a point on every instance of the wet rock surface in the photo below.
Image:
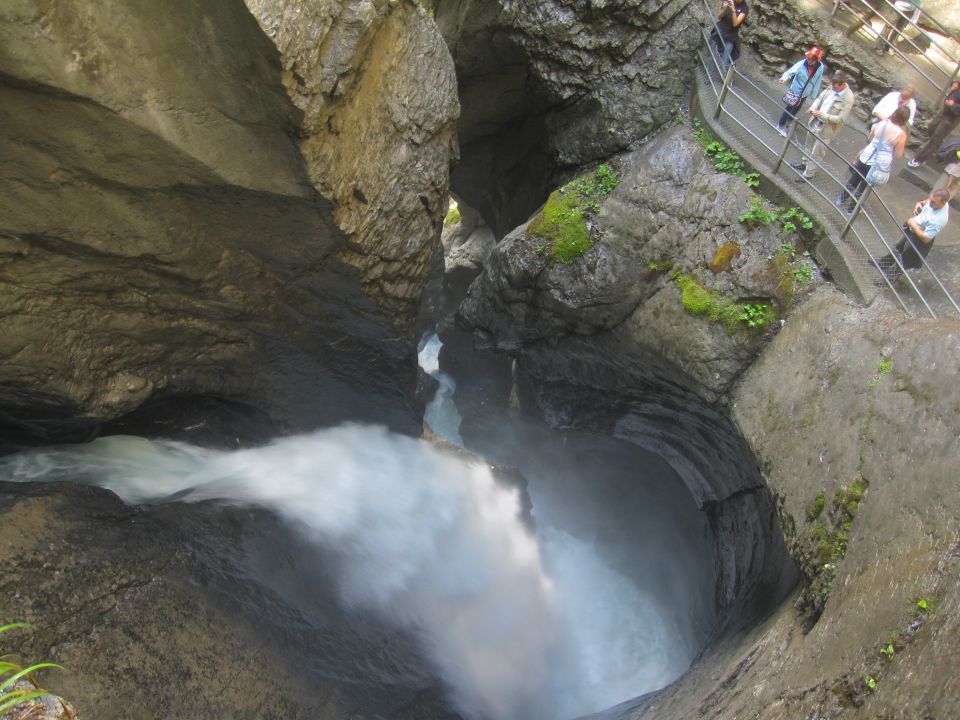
843	395
547	86
242	218
153	612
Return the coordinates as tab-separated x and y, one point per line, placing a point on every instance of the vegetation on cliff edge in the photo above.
564	221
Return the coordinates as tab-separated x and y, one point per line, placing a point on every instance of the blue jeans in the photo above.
790	114
726	58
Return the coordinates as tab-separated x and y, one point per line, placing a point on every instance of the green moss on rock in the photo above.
562	223
563	220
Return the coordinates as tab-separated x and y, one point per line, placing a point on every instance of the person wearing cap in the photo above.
949	117
893	100
804	78
827	115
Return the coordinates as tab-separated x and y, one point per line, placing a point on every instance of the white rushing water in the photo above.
441	413
517	629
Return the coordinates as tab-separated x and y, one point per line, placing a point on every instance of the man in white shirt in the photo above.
892	100
827	115
929	218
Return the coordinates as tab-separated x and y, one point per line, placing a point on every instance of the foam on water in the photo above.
433	545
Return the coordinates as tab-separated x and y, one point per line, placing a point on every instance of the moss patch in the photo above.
824	544
699	301
724	257
563	222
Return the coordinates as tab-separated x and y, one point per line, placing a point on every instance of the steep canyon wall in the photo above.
192	209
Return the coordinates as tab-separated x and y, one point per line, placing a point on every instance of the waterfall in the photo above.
518	628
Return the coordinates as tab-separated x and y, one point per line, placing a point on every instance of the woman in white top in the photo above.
887	141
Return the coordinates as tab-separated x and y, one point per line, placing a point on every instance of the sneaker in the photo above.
808	176
913	163
801	167
782	130
839	202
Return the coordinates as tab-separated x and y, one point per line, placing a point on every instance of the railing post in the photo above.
727	79
856	210
786	144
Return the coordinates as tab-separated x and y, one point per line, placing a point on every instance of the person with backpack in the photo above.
804	78
875	161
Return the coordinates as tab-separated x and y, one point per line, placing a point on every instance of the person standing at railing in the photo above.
896	99
726	34
946	122
827	115
874	163
907	11
929	218
804	78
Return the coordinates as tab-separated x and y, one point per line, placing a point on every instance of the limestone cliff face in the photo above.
176	221
848	395
378	93
547	86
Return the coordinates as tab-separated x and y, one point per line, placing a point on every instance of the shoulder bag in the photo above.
793	99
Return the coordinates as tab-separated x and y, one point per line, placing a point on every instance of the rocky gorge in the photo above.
221	233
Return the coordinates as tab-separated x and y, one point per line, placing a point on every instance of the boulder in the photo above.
671	220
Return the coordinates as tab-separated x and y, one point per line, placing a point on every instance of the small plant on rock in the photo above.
795	220
19	687
757	215
803	275
452	217
755	316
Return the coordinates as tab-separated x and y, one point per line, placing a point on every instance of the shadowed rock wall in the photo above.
170	218
547	86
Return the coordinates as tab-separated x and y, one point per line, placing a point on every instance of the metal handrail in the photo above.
860	211
941	86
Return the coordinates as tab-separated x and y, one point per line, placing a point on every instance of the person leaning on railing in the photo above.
946	122
929	218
